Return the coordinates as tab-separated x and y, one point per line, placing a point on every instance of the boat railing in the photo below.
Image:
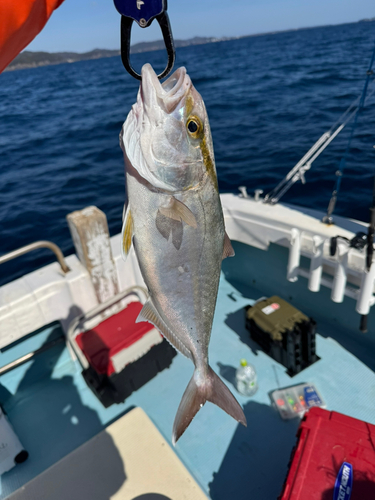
34	246
29	356
78	324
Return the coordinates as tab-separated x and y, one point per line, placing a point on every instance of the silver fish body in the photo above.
175	220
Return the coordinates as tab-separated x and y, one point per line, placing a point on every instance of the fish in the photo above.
174	220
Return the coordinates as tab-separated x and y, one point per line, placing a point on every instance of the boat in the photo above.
54	412
85	442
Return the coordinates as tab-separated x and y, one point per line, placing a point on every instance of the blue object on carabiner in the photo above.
144	12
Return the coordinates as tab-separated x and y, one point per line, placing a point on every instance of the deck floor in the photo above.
53	411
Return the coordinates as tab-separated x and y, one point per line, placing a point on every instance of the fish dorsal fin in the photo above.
228	249
127	232
178	211
151	315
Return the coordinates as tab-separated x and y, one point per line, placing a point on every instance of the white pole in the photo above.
294	255
327	143
310	152
316	265
339	280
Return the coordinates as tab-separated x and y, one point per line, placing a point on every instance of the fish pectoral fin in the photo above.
228	249
212	389
151	315
126	233
178	211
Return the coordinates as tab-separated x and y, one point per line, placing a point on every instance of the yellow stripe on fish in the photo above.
195	129
208	163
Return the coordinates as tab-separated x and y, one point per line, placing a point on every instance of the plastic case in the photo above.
334	459
293	402
283	332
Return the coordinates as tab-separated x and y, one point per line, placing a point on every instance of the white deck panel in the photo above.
127	460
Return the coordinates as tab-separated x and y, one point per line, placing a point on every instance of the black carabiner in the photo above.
144	12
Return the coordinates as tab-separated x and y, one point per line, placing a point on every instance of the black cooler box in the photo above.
283	332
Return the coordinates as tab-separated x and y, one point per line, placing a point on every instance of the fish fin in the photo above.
228	249
221	396
178	211
214	390
151	315
127	232
192	401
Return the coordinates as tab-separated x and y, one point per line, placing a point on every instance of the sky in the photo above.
83	25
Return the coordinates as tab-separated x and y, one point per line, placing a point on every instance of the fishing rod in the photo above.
327	219
298	171
143	13
369	251
371	231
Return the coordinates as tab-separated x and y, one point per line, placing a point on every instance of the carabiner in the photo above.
144	12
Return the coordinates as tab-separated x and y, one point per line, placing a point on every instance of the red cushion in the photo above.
112	336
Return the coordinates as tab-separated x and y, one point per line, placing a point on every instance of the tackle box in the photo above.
334	459
283	332
295	401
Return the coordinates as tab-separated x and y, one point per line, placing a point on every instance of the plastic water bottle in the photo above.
246	379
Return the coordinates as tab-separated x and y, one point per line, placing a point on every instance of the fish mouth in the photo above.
170	92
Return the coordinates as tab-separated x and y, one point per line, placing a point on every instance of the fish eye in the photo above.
194	126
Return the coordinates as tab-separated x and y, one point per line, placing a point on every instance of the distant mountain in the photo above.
28	59
159	44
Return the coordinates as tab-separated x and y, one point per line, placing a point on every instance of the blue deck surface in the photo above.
53	411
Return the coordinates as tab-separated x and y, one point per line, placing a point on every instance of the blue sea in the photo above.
269	98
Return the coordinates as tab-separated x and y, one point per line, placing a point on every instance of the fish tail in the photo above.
212	389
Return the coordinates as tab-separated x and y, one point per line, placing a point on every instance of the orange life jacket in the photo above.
20	22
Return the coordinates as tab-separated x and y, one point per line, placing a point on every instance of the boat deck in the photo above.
53	411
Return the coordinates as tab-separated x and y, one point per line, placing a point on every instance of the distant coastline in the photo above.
28	59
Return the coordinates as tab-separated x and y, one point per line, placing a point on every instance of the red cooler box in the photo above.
334	459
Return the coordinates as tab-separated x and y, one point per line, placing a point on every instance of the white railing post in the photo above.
339	280
294	255
316	265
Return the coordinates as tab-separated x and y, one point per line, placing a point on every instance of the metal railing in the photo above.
31	355
79	321
34	246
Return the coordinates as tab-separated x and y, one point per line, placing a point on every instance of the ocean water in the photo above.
269	98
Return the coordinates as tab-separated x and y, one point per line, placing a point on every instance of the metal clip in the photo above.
144	12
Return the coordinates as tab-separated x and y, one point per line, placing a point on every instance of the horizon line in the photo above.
219	38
